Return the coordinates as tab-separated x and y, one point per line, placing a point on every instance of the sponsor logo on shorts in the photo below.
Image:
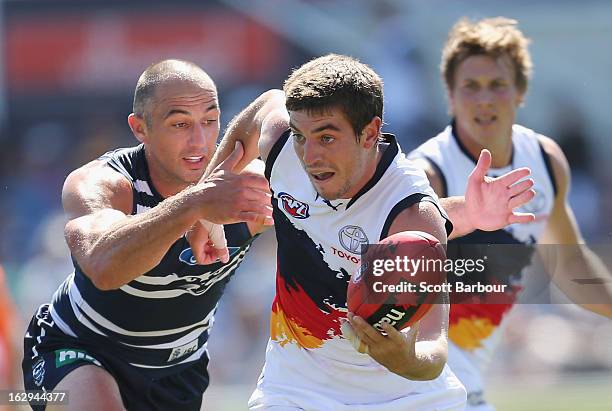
68	356
38	372
352	238
295	208
183	350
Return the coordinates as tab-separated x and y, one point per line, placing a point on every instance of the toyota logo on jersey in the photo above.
294	207
352	238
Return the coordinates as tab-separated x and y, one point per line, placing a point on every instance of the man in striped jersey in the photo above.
128	328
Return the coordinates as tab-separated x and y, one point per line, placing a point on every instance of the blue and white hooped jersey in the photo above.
162	318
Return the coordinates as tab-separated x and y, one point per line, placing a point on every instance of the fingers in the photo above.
521	199
520	187
198	239
349	334
216	235
368	334
513	176
254	181
233	159
482	166
521	218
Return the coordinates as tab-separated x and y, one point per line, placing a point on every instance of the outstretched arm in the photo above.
489	203
256	128
113	247
573	261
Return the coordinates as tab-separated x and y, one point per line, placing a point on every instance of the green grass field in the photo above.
579	392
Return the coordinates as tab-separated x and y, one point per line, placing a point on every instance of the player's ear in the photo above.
370	133
138	127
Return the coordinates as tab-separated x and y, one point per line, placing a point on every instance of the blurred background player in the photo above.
128	328
331	169
486	68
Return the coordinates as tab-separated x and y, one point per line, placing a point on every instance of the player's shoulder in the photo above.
96	179
558	162
434	145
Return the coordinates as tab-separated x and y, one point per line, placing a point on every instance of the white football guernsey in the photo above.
309	365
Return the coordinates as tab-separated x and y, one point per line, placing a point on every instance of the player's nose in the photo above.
198	138
311	153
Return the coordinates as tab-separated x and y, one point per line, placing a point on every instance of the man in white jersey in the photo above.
486	68
339	182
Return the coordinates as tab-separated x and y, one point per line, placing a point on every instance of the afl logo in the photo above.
352	238
294	207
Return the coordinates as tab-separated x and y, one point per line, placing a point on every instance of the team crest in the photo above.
295	208
38	372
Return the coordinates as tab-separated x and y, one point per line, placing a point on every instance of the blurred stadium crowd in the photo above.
67	73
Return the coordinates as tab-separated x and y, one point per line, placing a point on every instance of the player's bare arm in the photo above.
257	127
419	353
113	247
489	203
572	263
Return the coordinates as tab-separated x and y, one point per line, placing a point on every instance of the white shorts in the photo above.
465	366
295	378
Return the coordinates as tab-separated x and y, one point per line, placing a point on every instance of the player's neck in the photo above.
500	148
164	184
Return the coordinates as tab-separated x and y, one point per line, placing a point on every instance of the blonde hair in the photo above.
494	37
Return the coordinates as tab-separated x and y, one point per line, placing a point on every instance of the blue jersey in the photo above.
162	318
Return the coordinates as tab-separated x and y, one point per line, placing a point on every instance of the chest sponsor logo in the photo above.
295	208
352	238
186	256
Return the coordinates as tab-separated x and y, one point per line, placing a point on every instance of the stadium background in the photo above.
67	74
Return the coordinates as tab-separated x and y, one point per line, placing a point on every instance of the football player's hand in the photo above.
395	350
490	203
208	243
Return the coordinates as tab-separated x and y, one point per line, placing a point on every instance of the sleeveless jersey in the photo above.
475	327
162	318
319	246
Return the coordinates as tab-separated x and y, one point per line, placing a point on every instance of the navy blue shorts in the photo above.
49	355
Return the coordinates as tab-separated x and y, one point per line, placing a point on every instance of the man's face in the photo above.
485	98
184	126
337	164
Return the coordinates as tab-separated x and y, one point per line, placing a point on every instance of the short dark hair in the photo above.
159	73
336	81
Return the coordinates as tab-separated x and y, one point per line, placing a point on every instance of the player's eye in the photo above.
327	139
298	138
209	122
498	85
471	86
180	124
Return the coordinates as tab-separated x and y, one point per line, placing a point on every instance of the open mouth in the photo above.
485	120
322	176
194	162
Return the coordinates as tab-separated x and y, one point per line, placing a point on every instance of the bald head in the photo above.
164	73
